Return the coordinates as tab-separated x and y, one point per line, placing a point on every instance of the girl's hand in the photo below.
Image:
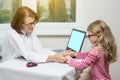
68	58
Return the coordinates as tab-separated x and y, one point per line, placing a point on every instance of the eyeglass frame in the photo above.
90	35
30	24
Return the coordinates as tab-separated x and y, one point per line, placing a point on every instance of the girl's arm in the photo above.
92	57
82	55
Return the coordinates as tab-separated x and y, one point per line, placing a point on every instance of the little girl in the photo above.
101	55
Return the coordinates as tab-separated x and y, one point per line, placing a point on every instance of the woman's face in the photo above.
29	24
93	38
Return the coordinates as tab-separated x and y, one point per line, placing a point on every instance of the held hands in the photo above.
64	56
60	58
69	52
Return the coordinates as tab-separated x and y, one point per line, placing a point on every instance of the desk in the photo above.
16	70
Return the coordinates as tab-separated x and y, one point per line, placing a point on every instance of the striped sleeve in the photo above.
92	57
82	55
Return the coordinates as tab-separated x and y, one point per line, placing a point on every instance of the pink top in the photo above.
95	59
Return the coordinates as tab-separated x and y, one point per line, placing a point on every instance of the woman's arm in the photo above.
21	48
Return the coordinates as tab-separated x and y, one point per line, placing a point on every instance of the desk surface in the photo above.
16	70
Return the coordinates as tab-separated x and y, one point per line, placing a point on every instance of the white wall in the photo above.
107	10
54	42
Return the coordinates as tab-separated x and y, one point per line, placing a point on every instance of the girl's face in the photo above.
92	37
29	24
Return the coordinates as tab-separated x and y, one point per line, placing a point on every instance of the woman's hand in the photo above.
60	58
64	56
69	52
57	58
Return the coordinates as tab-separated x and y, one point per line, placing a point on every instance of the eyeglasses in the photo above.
30	24
89	35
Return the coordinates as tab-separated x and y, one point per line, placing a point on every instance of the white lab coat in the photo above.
16	45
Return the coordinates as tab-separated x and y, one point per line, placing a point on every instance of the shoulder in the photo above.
96	50
11	32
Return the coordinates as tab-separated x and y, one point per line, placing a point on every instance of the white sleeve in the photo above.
38	47
30	55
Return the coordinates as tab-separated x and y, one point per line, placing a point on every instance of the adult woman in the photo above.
21	40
